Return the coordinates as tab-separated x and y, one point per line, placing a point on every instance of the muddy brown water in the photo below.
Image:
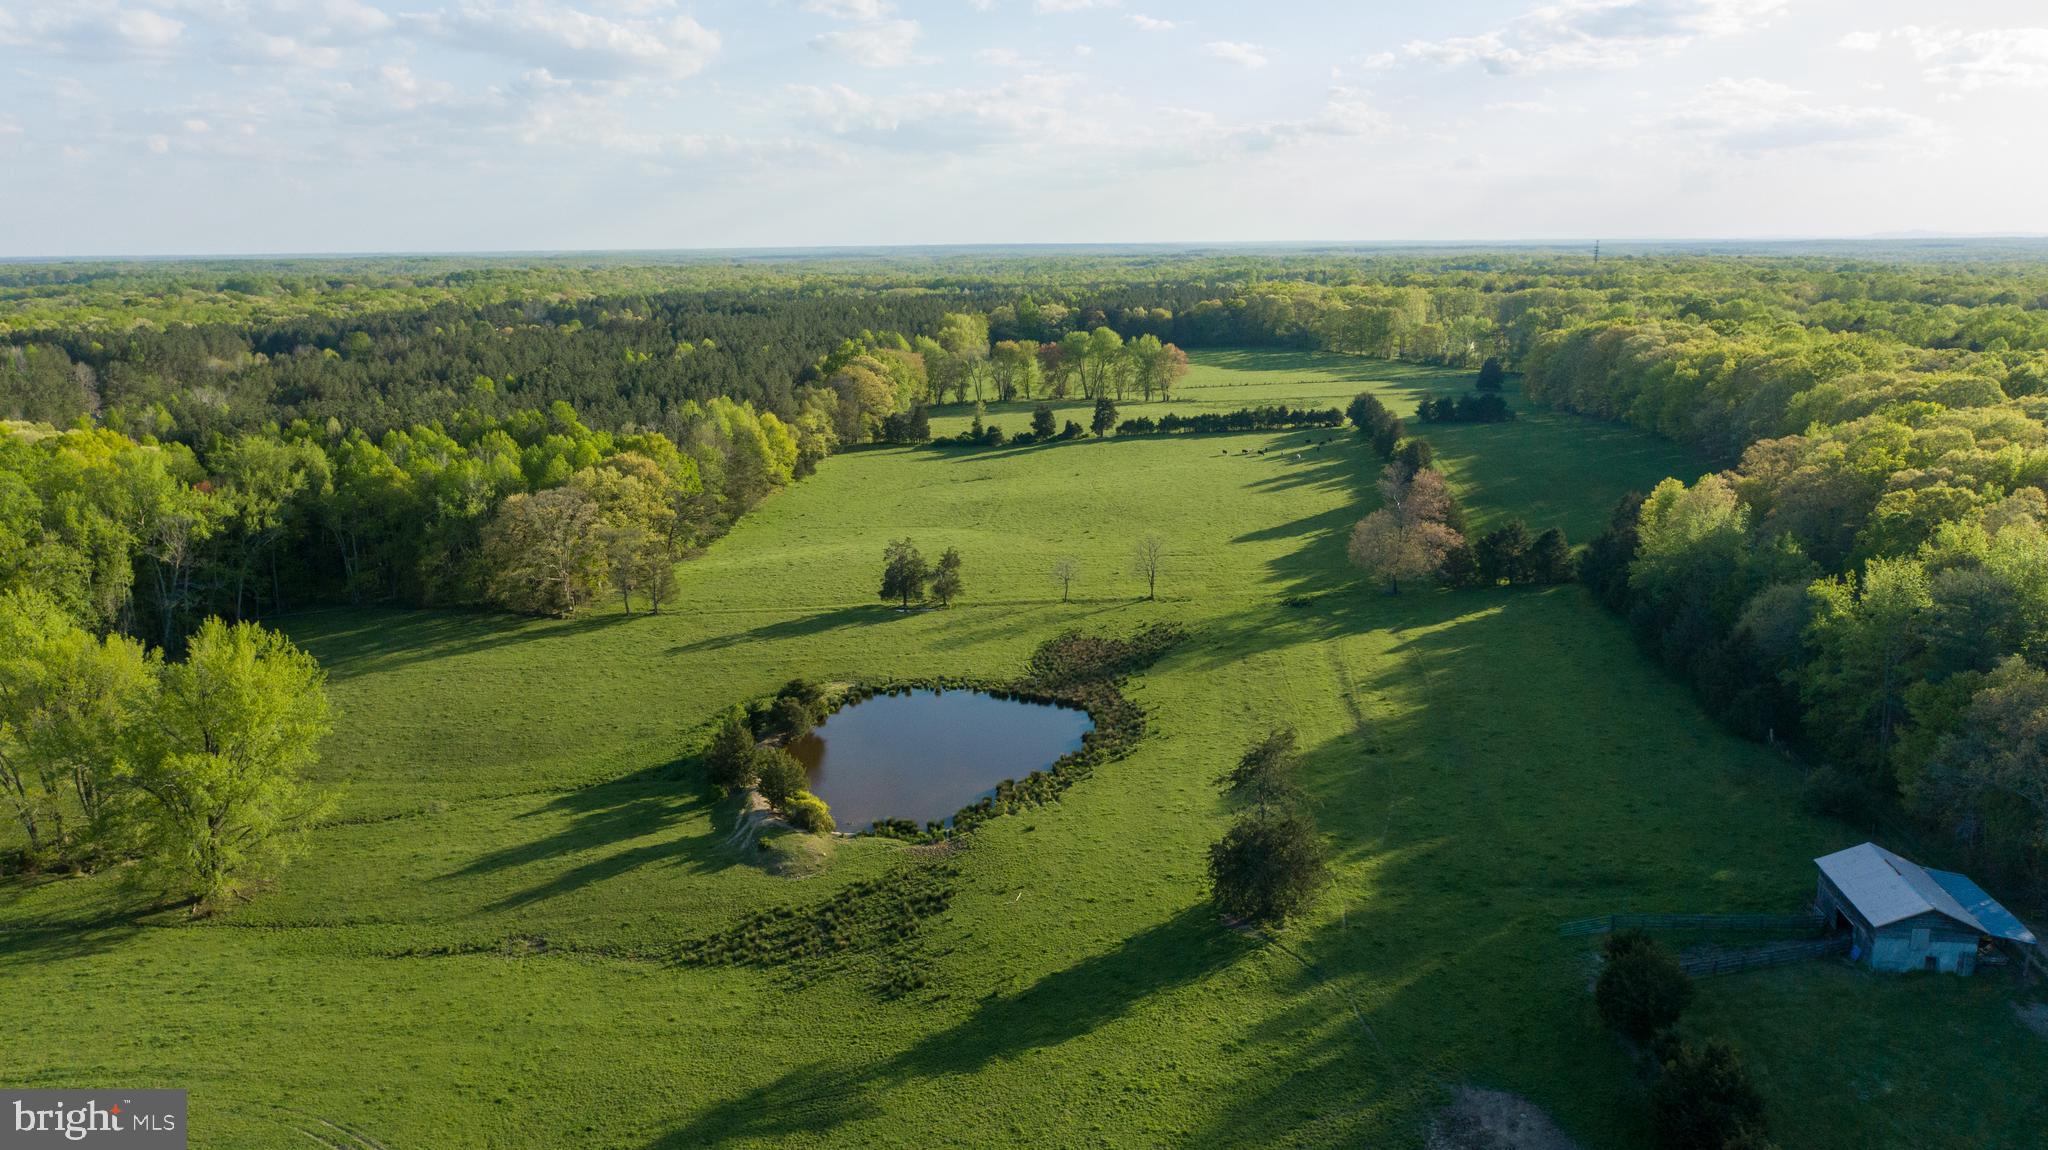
924	755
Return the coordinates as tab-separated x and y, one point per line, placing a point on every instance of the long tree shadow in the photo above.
817	1098
795	627
352	643
626	810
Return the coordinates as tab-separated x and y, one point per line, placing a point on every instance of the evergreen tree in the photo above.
1105	416
730	761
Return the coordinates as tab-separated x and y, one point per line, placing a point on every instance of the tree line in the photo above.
1866	582
197	767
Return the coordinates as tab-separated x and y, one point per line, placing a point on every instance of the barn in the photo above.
1904	916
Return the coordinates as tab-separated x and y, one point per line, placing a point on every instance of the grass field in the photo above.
470	956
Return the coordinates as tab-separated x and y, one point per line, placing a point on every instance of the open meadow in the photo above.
481	948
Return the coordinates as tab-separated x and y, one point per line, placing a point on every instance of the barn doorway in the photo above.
1933	964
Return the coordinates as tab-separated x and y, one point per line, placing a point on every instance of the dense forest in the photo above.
1864	579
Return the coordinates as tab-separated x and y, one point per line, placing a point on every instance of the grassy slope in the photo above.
1487	763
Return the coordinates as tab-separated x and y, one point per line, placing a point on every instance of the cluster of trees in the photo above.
1380	428
195	767
738	759
1477	407
537	512
184	350
1702	1098
1509	554
1866	582
1411	534
907	577
1418	532
1279	417
1270	865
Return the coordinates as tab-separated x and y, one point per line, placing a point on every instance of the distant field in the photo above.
1487	763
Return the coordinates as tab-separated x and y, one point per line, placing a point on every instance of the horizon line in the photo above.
1557	243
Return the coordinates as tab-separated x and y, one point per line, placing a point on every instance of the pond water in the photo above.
926	754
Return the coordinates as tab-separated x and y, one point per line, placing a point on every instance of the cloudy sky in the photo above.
190	126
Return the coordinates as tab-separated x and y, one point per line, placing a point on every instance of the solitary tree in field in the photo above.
1268	867
1064	572
1264	774
223	763
1490	374
1641	990
946	585
1407	537
1151	553
1042	425
904	572
1704	1100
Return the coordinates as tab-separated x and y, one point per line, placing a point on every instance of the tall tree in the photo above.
946	585
1105	416
1406	538
1865	635
904	572
1151	555
223	764
1268	867
547	551
1064	572
66	703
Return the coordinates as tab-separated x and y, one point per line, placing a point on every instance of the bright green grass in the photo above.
1487	764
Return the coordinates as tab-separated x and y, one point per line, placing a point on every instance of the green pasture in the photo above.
476	952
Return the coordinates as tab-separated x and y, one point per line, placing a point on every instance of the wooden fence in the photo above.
1702	965
1609	923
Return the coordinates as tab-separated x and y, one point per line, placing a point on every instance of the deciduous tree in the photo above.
223	762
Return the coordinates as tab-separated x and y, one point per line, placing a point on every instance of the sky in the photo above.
154	127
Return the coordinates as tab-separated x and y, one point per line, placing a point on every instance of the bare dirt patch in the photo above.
1480	1119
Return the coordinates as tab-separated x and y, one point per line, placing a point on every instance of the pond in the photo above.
924	755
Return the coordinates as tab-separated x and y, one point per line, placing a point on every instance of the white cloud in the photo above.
1237	52
1755	115
1001	58
158	144
1146	23
90	28
1586	34
1991	58
147	31
574	43
884	44
1860	41
848	9
1074	5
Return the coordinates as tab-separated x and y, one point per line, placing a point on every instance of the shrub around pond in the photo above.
1076	669
808	812
778	776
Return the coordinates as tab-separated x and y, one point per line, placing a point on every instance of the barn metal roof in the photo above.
1887	889
1995	919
